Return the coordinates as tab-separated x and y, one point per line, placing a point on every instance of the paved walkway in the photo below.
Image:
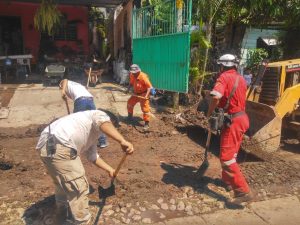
30	102
281	211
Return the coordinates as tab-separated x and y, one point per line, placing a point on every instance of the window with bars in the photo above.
65	33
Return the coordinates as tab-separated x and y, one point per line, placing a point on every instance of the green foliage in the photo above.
47	17
255	56
206	11
194	74
198	37
249	12
96	16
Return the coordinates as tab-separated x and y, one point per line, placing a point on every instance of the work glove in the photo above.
153	91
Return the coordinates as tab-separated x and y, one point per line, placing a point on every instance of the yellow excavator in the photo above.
272	105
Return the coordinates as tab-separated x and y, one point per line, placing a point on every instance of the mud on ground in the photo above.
159	176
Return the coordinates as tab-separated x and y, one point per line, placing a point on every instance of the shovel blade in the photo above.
107	192
203	168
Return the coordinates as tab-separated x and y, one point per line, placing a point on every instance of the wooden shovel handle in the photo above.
120	164
88	80
138	96
207	144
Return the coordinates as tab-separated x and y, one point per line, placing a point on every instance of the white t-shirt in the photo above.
79	131
75	90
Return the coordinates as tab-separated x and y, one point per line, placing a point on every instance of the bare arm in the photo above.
214	102
103	165
93	157
148	93
109	129
63	85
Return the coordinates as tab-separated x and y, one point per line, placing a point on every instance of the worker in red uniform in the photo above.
232	134
141	88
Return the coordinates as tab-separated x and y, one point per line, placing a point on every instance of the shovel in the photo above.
141	97
204	166
106	192
89	77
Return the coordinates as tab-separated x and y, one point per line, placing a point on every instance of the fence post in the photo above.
179	5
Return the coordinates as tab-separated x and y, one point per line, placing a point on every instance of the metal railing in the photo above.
168	17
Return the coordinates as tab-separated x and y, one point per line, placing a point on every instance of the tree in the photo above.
96	17
47	17
207	11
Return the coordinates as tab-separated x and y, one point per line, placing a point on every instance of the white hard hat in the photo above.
228	60
134	68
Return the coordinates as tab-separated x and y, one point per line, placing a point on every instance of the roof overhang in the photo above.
96	3
270	41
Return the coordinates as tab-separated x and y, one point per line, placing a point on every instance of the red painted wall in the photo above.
31	37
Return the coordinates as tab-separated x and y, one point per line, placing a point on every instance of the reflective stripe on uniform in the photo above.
229	162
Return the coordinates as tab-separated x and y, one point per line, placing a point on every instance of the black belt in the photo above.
234	115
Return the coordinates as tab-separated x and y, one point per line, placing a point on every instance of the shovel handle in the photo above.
67	105
89	76
207	144
138	96
119	166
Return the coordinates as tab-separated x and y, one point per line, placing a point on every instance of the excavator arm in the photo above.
289	101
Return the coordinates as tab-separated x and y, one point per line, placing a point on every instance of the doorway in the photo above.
11	40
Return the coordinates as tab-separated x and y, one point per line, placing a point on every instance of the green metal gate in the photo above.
161	43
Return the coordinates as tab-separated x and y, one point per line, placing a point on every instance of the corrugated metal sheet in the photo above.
250	39
161	43
165	59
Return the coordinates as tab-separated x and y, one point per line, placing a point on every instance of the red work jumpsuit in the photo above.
140	86
231	138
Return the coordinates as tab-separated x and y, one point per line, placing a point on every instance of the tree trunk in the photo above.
95	41
206	55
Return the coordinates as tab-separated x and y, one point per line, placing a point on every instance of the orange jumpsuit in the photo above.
140	86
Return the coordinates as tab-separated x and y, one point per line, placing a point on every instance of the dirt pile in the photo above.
192	116
24	132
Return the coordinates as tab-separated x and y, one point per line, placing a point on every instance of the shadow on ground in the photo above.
183	175
41	213
115	88
198	135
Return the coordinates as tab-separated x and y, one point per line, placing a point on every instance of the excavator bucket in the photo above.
263	137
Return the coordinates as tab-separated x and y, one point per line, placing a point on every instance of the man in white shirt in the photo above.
83	100
60	146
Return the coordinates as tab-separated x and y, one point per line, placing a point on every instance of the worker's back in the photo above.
75	90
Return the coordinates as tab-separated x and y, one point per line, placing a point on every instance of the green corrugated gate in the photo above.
161	43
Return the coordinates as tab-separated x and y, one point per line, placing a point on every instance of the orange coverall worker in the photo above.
140	85
231	137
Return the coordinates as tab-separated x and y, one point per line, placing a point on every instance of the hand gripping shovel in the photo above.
204	166
106	192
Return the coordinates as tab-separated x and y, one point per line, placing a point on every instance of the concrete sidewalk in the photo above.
279	211
35	104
